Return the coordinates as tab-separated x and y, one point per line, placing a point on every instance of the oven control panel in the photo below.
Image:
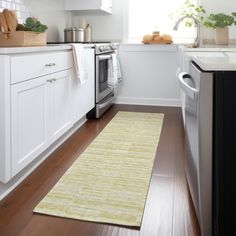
105	48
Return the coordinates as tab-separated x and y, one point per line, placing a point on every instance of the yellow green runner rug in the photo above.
109	181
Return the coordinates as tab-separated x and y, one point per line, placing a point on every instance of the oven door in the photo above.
103	73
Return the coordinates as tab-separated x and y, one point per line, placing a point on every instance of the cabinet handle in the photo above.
50	64
51	80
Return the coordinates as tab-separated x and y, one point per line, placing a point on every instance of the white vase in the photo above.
222	35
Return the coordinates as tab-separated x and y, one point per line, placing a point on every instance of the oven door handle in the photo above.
110	100
190	91
104	57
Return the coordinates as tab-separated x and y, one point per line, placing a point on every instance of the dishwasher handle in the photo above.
190	91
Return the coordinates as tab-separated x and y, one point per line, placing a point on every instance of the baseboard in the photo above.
5	189
149	101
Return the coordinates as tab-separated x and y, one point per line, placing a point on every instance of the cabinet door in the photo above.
60	103
29	109
83	95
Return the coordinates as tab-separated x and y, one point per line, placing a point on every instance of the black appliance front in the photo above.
224	154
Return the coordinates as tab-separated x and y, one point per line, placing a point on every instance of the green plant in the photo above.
220	20
189	9
32	24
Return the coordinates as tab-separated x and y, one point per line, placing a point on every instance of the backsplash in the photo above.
21	7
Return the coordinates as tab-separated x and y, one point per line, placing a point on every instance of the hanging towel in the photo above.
79	62
116	63
115	77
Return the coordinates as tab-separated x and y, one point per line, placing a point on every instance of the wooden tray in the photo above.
22	39
159	42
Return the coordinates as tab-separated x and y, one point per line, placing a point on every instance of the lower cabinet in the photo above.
39	106
41	113
83	95
60	101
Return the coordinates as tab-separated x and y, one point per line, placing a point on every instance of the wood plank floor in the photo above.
168	212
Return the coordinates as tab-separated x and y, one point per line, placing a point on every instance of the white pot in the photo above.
222	35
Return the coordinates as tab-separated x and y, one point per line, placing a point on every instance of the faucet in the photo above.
197	40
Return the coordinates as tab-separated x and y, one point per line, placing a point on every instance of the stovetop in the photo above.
92	42
101	47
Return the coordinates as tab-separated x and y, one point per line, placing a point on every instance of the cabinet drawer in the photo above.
28	66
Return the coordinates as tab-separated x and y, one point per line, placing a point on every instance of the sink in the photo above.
192	45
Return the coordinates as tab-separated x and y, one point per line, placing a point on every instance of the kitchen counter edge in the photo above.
47	48
15	50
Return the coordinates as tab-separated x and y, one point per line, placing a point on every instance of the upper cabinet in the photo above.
89	6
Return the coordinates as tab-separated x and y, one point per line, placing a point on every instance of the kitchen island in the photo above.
208	101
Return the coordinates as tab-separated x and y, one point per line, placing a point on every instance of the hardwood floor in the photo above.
168	211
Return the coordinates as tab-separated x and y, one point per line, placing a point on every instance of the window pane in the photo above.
146	16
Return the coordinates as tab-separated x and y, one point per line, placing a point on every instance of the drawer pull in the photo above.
51	80
50	64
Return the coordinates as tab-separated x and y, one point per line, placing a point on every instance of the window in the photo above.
20	6
146	16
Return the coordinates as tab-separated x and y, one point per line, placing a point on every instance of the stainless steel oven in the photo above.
104	94
103	71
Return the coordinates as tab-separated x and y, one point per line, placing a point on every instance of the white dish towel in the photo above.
79	62
116	77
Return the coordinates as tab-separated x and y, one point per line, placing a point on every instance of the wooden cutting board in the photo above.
11	19
3	23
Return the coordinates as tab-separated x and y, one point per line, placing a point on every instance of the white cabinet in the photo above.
32	65
59	99
41	113
89	6
40	100
35	106
29	124
83	95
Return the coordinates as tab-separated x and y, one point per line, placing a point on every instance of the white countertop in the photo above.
212	57
210	48
47	48
226	61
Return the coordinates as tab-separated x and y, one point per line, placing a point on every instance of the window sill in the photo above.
140	47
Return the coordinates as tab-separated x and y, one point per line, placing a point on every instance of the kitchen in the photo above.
149	85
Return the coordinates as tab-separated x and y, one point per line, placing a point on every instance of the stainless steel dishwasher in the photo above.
197	87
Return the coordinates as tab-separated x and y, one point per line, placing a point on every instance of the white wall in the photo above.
21	7
104	27
149	75
107	27
115	26
53	14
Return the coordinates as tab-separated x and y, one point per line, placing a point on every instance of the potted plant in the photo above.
220	22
